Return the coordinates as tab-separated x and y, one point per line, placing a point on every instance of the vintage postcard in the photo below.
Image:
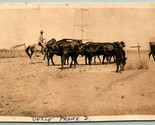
71	62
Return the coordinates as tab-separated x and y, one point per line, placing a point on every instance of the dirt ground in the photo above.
38	90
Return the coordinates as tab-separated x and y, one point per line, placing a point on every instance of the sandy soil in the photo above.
39	90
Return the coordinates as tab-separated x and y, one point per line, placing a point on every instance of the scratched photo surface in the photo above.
29	87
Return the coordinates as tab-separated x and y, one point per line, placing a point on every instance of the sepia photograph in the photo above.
77	61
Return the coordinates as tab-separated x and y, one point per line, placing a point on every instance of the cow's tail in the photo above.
27	51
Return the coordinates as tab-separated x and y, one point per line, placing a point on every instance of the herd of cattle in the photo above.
66	48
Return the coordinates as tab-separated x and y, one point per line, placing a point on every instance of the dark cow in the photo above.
92	49
65	48
52	49
51	52
152	51
98	59
120	56
86	59
110	52
49	44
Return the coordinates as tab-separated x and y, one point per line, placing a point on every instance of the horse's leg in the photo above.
42	50
29	52
31	59
35	51
31	56
44	57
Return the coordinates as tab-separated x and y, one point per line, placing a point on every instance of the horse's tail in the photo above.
27	51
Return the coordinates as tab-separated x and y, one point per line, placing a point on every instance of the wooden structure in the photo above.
138	47
19	45
17	50
82	28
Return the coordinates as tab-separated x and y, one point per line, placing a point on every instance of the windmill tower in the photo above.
82	28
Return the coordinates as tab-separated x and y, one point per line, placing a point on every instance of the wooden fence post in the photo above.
138	47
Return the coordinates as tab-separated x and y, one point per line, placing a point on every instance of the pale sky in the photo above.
108	22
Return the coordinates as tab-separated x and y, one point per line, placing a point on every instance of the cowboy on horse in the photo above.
31	49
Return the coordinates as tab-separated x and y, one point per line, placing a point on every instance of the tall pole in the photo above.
138	50
82	25
138	47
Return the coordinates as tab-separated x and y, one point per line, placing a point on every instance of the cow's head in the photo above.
119	45
124	61
122	44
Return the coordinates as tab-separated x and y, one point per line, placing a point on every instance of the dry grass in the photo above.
129	66
140	65
12	53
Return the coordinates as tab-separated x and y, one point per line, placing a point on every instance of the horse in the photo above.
32	49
